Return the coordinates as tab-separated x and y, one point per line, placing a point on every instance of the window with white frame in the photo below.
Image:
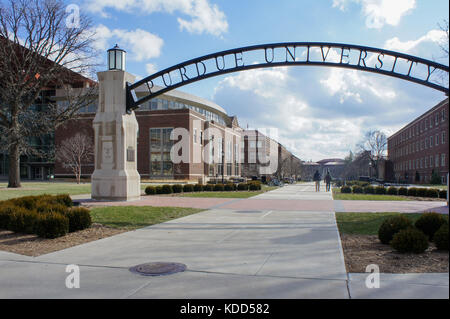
442	160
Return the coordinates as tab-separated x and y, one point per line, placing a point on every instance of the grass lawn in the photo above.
236	194
366	223
38	188
132	217
339	196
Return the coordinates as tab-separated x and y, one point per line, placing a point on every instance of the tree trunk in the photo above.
14	167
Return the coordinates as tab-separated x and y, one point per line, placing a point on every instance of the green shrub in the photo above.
242	187
150	190
429	223
410	240
443	193
391	226
421	192
219	187
412	191
198	187
369	190
392	191
168	189
403	191
380	190
6	210
79	219
64	199
208	187
188	188
441	237
229	187
432	193
27	202
23	221
45	207
176	188
346	190
254	186
357	189
159	189
52	225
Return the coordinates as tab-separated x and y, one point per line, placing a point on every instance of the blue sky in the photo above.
319	112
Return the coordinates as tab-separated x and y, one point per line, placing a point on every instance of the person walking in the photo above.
328	181
317	178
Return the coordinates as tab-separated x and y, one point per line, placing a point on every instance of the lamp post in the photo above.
116	58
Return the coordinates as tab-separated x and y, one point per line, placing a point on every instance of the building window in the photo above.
442	115
431	161
437	139
160	146
443	138
229	169
252	144
426	162
431	141
442	160
195	135
259	144
436	119
436	160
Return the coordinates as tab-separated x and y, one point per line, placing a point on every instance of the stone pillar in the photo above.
115	176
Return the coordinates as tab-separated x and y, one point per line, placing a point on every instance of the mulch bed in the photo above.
363	250
32	245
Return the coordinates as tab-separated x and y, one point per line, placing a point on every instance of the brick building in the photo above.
264	157
421	147
211	139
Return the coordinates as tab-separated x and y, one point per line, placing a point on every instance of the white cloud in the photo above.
150	68
380	12
140	44
203	17
435	36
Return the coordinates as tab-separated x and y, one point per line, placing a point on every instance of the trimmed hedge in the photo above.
443	193
380	190
392	191
403	191
169	189
346	190
421	192
254	185
198	187
218	187
242	187
357	189
432	193
429	223
229	187
391	226
412	191
369	190
52	225
441	237
159	189
410	240
47	216
79	219
150	190
188	188
208	187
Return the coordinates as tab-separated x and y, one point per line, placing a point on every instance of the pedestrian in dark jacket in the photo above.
317	179
328	181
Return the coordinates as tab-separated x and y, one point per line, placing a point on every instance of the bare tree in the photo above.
444	45
39	51
75	151
374	144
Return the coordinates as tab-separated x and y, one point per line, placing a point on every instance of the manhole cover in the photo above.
158	268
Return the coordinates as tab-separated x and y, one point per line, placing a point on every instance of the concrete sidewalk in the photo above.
259	249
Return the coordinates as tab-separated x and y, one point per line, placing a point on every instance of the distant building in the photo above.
335	166
421	147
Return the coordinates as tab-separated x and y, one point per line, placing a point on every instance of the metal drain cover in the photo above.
158	268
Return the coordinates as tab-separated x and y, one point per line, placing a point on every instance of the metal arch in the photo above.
290	59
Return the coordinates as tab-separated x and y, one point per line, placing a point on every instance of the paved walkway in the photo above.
269	246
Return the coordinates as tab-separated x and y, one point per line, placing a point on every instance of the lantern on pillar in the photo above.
116	58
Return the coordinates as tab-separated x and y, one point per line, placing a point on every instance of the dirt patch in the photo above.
32	245
363	250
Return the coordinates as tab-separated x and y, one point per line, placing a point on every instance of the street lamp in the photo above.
116	58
